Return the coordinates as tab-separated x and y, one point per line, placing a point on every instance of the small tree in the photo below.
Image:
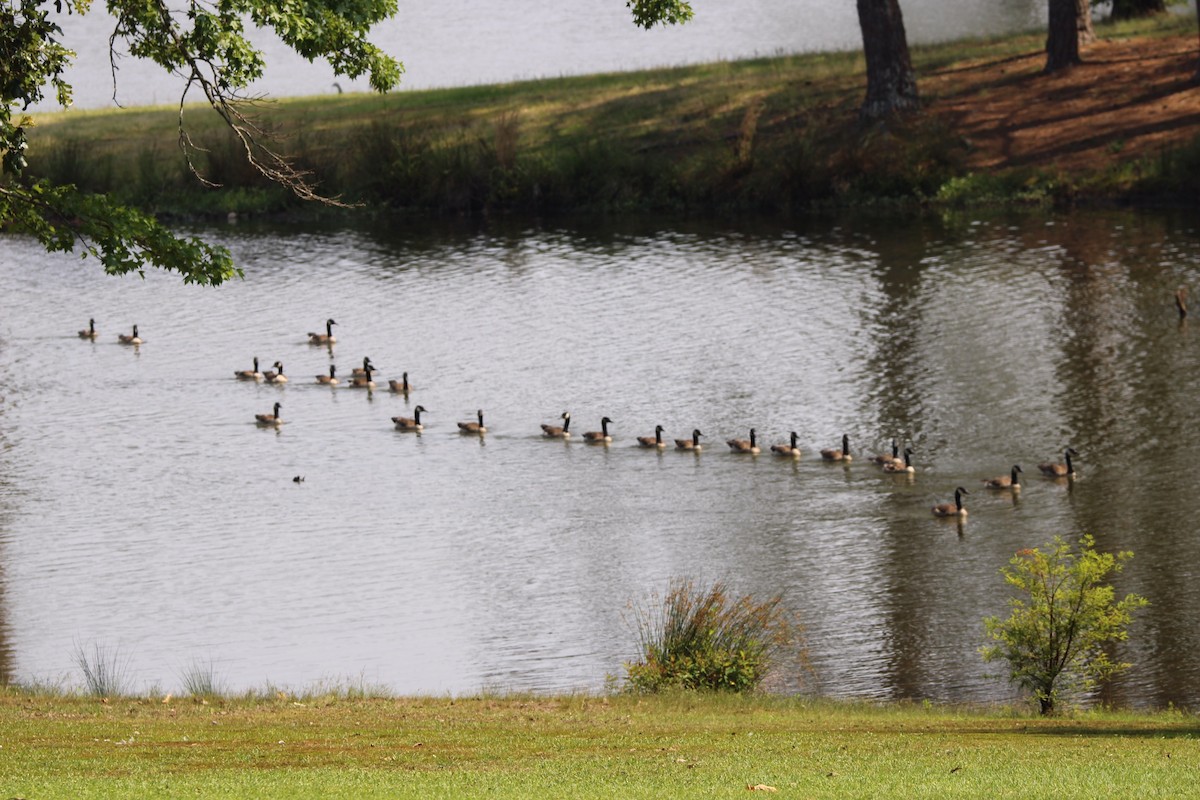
1064	615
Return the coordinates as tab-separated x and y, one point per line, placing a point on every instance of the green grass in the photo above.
652	747
762	135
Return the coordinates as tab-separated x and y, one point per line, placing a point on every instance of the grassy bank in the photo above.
764	136
687	745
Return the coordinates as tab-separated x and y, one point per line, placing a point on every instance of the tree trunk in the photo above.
1083	21
1062	41
891	83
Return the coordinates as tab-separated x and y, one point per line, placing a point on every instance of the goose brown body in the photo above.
473	427
955	509
331	379
134	338
411	424
692	444
601	436
655	441
901	464
882	459
745	445
265	420
839	455
323	338
401	386
559	431
791	449
249	374
1064	469
1012	481
90	331
275	375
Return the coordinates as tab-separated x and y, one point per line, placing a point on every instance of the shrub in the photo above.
104	671
705	639
1061	619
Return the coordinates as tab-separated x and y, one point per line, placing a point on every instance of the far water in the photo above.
142	509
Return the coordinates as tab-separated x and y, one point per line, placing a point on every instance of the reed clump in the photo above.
704	638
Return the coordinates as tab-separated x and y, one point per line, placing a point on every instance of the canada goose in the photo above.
275	375
1055	469
473	427
364	381
883	458
90	333
298	479
744	445
954	509
266	420
401	386
791	449
363	369
1011	482
556	431
1181	295
126	339
414	424
653	441
839	455
901	465
249	374
323	338
331	378
601	436
690	444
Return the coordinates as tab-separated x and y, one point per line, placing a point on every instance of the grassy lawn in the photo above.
682	745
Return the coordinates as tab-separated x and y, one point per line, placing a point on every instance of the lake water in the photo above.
463	42
142	509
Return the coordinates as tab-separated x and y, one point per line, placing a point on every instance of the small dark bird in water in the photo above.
298	479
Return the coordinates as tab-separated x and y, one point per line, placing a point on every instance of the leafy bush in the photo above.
705	639
1061	620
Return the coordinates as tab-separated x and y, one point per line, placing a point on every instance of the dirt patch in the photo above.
1131	98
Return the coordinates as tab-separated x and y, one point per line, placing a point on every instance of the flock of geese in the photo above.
898	461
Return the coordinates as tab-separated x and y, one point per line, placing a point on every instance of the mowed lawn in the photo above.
55	746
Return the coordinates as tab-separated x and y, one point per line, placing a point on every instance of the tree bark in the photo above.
891	82
1083	21
1062	40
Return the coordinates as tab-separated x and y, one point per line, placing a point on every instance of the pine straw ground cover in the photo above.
664	746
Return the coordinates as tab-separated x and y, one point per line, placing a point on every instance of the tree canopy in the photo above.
205	43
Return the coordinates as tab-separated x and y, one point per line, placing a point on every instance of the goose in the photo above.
275	375
744	445
357	371
690	444
331	378
323	338
267	420
90	333
1181	295
791	449
414	424
653	441
401	386
556	431
127	339
954	509
901	464
1055	469
249	374
839	455
364	381
1011	482
473	427
883	458
601	436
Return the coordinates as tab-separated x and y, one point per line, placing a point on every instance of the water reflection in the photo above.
447	562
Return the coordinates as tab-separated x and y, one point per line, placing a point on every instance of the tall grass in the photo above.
703	637
105	670
199	679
